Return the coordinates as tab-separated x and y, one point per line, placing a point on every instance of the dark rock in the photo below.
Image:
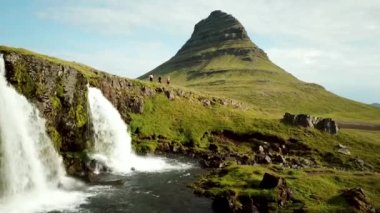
298	120
305	162
180	93
358	200
75	166
147	91
283	193
323	124
222	204
160	89
279	159
263	158
175	147
135	104
170	94
163	146
359	163
206	102
271	181
213	147
96	166
247	205
211	162
223	102
327	125
245	160
343	149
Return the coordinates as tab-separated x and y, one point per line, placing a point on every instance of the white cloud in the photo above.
334	43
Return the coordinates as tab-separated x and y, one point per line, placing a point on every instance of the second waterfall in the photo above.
113	142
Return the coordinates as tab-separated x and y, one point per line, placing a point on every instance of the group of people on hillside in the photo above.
159	79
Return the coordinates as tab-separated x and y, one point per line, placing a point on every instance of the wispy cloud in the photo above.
334	43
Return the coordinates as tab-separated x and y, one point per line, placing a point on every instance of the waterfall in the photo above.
32	176
113	142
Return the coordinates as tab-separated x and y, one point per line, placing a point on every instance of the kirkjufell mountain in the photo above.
221	59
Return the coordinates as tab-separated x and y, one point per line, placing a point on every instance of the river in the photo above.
148	192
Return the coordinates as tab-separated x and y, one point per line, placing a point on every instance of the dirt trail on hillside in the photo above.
362	126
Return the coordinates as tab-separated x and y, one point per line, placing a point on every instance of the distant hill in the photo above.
376	104
221	59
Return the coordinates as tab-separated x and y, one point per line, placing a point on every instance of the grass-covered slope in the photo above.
313	190
220	59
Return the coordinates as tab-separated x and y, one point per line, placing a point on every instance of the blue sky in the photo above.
333	43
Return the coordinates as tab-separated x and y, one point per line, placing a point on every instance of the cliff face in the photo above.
60	94
59	90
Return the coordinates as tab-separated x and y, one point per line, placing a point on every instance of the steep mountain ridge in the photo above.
220	59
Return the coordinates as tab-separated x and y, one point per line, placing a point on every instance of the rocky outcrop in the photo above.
283	193
342	149
266	149
59	92
324	124
229	201
356	198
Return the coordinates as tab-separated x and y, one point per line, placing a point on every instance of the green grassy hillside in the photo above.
215	63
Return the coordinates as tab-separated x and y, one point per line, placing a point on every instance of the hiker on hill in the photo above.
159	79
168	80
151	78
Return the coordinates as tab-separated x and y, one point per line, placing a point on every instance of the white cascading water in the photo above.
113	142
32	176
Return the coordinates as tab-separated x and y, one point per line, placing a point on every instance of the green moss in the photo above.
40	89
55	137
25	83
145	147
78	112
81	116
59	88
55	102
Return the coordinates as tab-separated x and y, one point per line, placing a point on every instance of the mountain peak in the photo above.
217	28
220	22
